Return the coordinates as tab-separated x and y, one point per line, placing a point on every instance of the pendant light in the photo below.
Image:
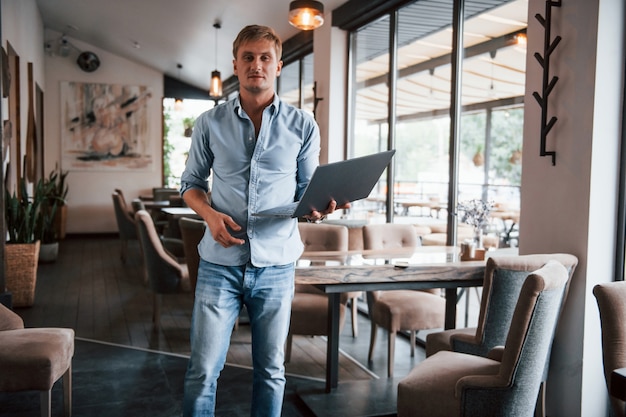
306	14
215	90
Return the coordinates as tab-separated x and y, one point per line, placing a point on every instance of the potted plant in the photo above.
188	123
22	248
51	192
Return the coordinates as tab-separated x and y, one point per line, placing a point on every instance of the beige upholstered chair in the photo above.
507	381
309	307
315	239
504	277
34	359
611	298
162	271
125	224
399	309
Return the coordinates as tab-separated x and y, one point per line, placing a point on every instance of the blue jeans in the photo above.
221	292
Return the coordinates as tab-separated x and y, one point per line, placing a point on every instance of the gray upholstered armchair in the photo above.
34	359
507	381
504	277
611	298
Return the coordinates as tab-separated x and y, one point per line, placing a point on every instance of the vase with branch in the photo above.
476	213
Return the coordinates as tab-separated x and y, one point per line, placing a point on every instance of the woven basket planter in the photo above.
21	272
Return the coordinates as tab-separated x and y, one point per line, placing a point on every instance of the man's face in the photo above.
257	66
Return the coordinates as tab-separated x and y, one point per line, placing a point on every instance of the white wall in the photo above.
26	40
90	208
330	50
571	207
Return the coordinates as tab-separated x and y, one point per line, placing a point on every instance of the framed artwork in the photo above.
105	127
12	146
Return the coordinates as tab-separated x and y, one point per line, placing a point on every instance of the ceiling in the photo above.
163	33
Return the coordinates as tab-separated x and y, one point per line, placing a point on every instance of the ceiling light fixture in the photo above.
215	90
178	102
306	14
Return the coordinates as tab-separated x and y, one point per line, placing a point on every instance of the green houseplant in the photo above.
51	193
188	123
21	215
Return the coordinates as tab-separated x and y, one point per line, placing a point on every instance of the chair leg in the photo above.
412	335
370	354
288	348
540	407
46	403
355	321
67	391
391	350
156	310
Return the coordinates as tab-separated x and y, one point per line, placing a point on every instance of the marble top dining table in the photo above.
423	268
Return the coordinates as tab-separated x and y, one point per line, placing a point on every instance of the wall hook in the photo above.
316	99
547	86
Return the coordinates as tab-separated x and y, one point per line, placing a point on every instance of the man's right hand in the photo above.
219	225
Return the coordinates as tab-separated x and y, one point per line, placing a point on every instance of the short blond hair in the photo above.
255	33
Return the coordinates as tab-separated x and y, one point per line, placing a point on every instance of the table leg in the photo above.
451	299
332	347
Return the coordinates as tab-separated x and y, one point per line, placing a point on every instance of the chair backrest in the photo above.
121	193
504	277
389	236
192	231
125	223
513	392
611	298
163	194
137	205
324	238
164	274
9	320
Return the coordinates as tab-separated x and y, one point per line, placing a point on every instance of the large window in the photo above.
410	50
295	84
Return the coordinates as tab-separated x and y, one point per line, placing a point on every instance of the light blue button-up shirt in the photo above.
253	174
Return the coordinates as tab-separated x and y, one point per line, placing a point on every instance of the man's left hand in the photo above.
318	216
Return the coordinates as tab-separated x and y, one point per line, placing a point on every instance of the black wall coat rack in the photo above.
547	86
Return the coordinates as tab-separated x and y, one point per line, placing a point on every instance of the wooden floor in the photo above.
92	291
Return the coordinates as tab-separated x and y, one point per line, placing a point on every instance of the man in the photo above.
262	153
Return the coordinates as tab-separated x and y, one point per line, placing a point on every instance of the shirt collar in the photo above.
274	107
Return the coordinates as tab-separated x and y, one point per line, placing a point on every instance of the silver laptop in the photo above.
343	181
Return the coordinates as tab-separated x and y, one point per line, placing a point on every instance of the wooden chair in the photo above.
399	309
507	381
611	299
162	271
192	231
34	359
